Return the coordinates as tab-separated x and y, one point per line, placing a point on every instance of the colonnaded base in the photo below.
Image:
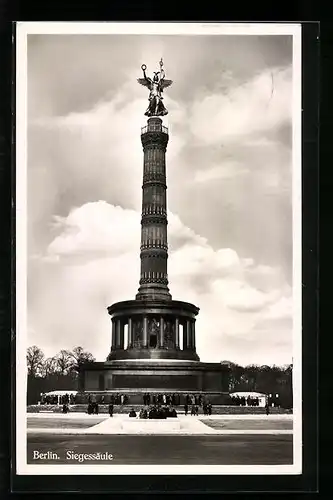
134	378
158	355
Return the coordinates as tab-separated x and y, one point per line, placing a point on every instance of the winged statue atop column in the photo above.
156	85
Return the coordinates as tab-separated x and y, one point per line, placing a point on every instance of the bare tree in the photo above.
63	362
49	367
35	359
78	357
237	378
252	376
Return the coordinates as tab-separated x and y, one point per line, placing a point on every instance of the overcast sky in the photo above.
229	187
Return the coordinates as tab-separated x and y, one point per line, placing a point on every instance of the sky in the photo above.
229	175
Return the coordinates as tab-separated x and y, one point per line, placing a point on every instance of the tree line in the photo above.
60	372
264	379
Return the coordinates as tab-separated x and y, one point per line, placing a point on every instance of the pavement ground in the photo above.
122	424
242	449
213	440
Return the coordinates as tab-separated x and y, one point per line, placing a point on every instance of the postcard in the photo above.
158	248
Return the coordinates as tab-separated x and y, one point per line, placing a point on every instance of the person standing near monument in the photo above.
132	413
111	410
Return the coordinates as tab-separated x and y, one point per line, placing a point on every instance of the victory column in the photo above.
154	357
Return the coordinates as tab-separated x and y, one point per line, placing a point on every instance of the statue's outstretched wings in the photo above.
165	83
144	81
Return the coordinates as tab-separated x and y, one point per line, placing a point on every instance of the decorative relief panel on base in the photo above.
169	335
137	333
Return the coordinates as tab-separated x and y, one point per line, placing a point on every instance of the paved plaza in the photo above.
80	423
218	439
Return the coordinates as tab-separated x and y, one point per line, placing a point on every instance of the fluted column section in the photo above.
161	344
193	336
113	335
130	333
154	241
184	336
118	326
188	334
145	331
177	333
121	336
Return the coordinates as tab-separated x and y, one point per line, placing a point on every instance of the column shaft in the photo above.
145	331
130	333
118	334
121	342
193	335
188	334
113	335
161	331
184	337
177	333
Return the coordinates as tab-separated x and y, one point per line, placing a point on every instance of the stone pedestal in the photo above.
155	376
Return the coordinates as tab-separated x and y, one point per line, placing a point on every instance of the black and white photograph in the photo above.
158	248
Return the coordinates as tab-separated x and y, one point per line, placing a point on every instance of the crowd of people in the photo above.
206	409
92	408
54	399
166	411
154	412
238	400
113	399
72	399
155	405
117	399
123	399
172	399
243	401
191	402
151	401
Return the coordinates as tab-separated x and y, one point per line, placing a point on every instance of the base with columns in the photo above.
153	330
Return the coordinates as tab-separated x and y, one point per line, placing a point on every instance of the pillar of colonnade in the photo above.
118	325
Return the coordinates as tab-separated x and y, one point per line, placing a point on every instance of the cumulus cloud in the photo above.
87	230
107	239
246	109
